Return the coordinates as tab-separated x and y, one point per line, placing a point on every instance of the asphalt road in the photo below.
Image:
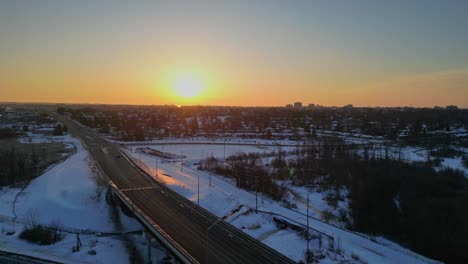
206	238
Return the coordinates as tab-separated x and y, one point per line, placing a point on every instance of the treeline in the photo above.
249	173
17	166
413	125
129	128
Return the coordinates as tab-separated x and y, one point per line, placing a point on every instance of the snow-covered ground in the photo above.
207	141
454	163
66	194
35	138
195	152
222	197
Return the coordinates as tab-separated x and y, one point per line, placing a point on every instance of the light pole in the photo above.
224	149
210	177
198	189
140	158
256	193
182	163
307	232
211	166
156	174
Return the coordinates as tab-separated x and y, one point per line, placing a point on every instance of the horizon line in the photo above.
239	106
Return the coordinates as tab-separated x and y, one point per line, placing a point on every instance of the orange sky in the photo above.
243	54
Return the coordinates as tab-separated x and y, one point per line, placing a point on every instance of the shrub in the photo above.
41	235
7	133
328	216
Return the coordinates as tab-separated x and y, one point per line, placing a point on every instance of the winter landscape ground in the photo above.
237	206
69	195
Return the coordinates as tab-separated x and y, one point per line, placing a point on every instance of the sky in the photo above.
247	53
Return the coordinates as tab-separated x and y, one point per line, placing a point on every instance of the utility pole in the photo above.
182	164
148	247
198	190
210	177
224	149
78	242
307	233
256	194
156	167
140	158
211	166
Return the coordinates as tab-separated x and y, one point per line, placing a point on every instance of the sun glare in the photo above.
187	85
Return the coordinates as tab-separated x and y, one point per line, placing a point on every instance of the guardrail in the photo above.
19	256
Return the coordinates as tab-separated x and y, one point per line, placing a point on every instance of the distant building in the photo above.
289	106
12	113
451	107
438	108
311	106
348	106
297	105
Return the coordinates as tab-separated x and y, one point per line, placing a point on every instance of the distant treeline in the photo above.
413	125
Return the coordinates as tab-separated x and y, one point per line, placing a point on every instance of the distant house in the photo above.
12	113
297	105
451	107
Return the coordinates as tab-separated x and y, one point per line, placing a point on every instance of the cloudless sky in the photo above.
368	53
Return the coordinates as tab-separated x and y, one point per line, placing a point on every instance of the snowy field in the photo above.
236	139
34	138
66	194
454	163
199	151
222	197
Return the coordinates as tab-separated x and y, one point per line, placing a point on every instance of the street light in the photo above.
198	188
256	193
140	158
211	166
307	232
156	167
224	149
182	163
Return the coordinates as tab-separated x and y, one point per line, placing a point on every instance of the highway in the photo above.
200	233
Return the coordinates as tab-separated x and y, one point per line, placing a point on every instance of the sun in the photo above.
187	85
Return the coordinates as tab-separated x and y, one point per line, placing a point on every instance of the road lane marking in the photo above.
136	189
